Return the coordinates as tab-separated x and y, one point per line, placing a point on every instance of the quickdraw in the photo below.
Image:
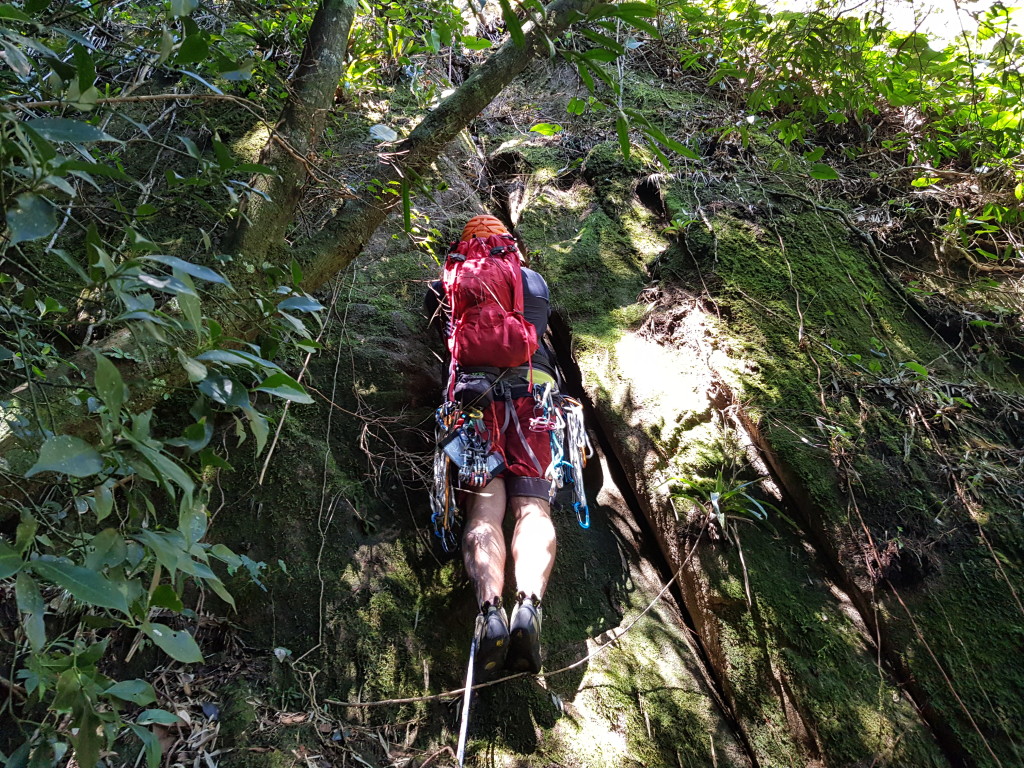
574	451
463	458
445	517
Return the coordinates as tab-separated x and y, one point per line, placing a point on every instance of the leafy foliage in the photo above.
117	542
725	499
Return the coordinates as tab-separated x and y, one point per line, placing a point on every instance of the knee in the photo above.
531	508
481	533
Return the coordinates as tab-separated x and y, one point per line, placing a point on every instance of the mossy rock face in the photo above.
909	535
657	382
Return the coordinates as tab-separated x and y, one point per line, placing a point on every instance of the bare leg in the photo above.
533	544
483	543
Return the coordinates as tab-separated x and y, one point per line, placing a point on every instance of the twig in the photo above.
16	690
27	105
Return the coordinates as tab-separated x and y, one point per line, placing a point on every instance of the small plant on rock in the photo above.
724	499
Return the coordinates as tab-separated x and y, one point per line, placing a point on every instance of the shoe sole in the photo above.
524	644
490	658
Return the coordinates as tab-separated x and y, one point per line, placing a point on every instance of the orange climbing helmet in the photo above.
483	226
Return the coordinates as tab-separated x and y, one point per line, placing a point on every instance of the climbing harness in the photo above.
464	459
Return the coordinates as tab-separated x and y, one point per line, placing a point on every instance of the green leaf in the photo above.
600	54
68	455
84	585
576	106
194	48
166	284
30	603
79	99
224	390
547	129
237	357
10	12
168	546
259	427
406	206
85	67
196	270
193	521
17	61
475	43
209	458
157	717
218	588
917	368
224	554
301	304
164	596
240	73
284	386
191	306
195	437
824	172
109	384
167	469
515	29
603	41
196	371
10	560
814	155
177	644
181	8
25	534
108	548
62	129
30	218
136	691
86	739
622	128
925	181
150	743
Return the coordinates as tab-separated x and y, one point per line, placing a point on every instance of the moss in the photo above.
971	623
796	632
586	258
797	636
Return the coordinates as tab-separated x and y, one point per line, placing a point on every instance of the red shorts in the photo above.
524	464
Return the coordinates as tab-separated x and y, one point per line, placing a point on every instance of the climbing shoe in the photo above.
524	650
492	640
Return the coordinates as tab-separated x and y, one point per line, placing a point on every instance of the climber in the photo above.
505	402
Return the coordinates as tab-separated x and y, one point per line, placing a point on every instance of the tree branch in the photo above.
344	236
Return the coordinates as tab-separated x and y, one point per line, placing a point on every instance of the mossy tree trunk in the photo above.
265	218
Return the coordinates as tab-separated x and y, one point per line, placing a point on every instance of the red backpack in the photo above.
483	283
